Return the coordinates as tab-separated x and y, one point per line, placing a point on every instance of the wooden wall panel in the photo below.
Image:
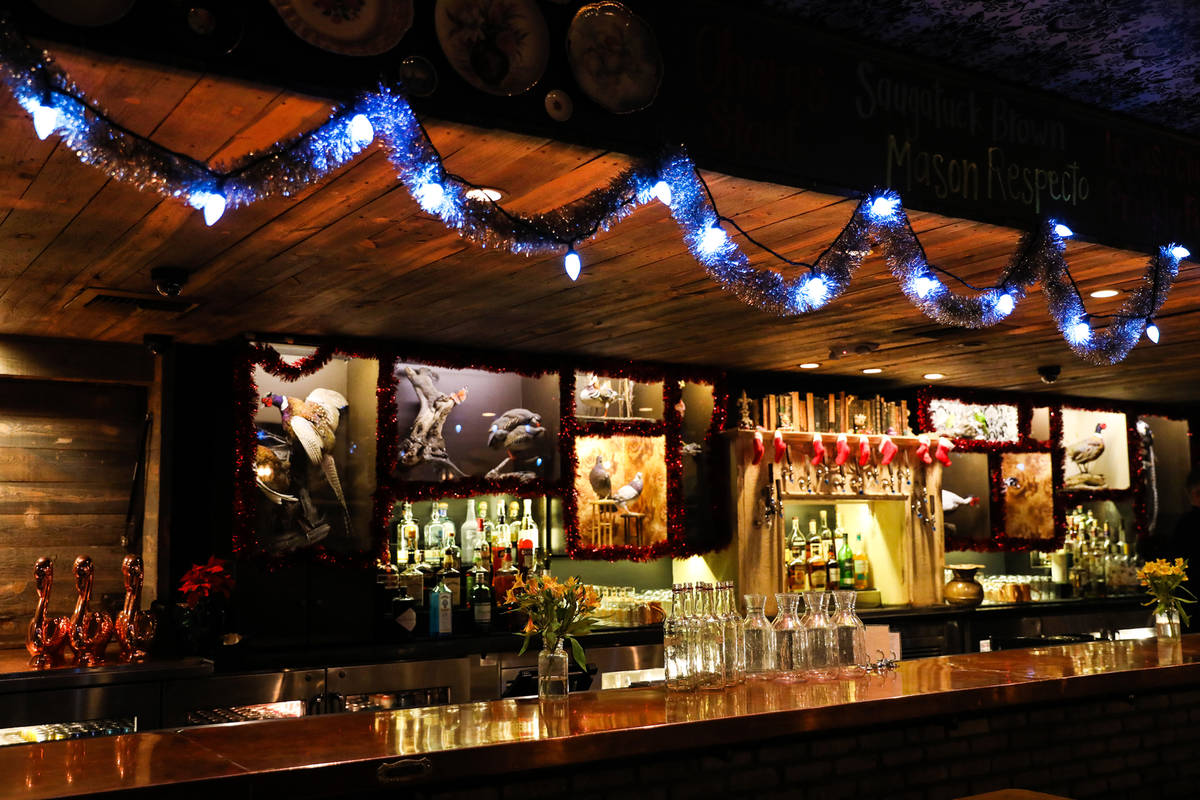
67	452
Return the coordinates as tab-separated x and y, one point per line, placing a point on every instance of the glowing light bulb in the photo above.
431	196
662	190
712	240
815	291
1005	304
212	204
360	130
1062	231
572	265
45	120
1079	332
883	207
1179	252
925	286
1152	332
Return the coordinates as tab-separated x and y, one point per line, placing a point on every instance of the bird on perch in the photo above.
312	423
600	478
952	501
629	492
597	396
1087	449
519	433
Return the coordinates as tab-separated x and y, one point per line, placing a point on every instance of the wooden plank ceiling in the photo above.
355	256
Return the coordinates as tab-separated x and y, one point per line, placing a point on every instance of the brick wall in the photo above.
1126	746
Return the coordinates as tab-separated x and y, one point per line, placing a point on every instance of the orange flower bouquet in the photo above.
558	611
1162	580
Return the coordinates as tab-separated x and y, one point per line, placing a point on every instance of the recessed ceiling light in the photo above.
872	371
488	414
484	193
933	376
645	410
809	365
1102	293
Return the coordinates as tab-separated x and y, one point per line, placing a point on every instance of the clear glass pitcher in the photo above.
820	636
735	637
761	661
677	644
711	642
790	646
851	635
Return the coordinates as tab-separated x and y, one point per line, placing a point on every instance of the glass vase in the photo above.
851	634
1166	623
552	672
760	640
820	637
677	644
735	636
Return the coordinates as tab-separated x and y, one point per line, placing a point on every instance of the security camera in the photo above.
1049	373
169	281
157	343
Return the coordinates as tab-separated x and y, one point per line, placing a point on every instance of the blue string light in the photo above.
878	220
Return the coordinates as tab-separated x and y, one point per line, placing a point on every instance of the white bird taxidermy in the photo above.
598	396
952	501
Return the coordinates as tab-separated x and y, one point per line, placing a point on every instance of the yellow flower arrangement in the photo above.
1161	579
557	610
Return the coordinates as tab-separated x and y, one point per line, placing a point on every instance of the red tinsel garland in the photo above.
388	492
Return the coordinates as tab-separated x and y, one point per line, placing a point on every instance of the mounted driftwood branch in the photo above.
425	443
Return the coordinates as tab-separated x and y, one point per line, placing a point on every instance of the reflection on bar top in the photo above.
600	724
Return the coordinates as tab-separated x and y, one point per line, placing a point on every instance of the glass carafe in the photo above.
735	638
677	644
761	661
851	635
711	640
820	636
789	639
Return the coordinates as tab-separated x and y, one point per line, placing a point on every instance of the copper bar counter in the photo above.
1104	719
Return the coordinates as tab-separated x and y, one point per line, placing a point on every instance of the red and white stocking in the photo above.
818	449
843	450
758	448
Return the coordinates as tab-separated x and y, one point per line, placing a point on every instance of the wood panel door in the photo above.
67	456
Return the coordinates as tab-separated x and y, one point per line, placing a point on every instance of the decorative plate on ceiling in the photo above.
499	46
85	12
348	27
615	57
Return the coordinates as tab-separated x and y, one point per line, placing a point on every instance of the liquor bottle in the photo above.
408	531
441	614
413	580
796	539
499	538
514	525
845	558
816	559
504	579
451	574
448	527
433	535
481	597
832	573
677	661
404	613
862	566
483	542
468	533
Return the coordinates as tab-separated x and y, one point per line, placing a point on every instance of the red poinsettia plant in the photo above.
203	581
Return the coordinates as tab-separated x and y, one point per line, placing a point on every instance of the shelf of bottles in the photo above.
1096	559
708	646
453	561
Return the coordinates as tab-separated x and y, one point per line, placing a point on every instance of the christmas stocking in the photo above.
818	449
944	446
864	450
887	449
758	448
780	447
923	449
843	450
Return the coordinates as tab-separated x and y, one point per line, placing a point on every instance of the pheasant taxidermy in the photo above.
312	423
597	396
1087	449
519	433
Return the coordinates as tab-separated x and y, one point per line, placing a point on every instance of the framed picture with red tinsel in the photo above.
621	487
1095	450
486	429
306	458
977	422
1026	497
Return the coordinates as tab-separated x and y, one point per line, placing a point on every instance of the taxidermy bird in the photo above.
597	396
600	479
951	501
312	422
1087	449
272	474
519	433
629	492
